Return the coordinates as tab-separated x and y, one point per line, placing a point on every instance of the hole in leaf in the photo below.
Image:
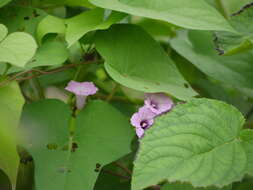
74	147
26	18
52	146
98	166
186	85
26	159
35	14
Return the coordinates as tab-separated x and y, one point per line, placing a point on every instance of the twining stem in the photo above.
113	91
222	8
41	72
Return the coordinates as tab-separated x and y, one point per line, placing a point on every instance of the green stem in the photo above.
112	93
222	8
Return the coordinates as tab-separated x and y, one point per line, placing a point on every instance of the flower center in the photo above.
144	124
154	105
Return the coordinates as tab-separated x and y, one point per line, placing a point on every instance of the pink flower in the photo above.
81	90
142	120
158	103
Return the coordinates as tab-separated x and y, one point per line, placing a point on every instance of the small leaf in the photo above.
230	43
192	14
89	21
17	49
136	60
102	135
11	103
197	142
50	24
186	186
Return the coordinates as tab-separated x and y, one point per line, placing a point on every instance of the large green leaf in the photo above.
102	135
136	60
197	142
89	21
231	43
11	102
17	48
198	48
193	14
186	186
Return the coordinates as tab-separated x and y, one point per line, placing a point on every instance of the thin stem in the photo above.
40	72
123	167
115	174
222	8
112	93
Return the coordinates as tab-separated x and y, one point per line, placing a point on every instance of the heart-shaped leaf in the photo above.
197	142
73	161
134	59
17	48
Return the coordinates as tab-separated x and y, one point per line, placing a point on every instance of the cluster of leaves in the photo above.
199	52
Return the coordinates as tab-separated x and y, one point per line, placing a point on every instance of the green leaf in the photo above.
11	102
186	186
17	48
88	21
102	135
198	48
230	43
51	52
4	2
22	19
3	32
197	142
136	60
192	14
50	24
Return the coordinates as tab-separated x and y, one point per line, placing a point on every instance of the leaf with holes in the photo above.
48	25
77	165
231	43
11	103
187	143
192	14
134	59
198	48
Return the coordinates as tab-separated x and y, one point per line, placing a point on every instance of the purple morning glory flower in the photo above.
81	90
142	120
158	103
